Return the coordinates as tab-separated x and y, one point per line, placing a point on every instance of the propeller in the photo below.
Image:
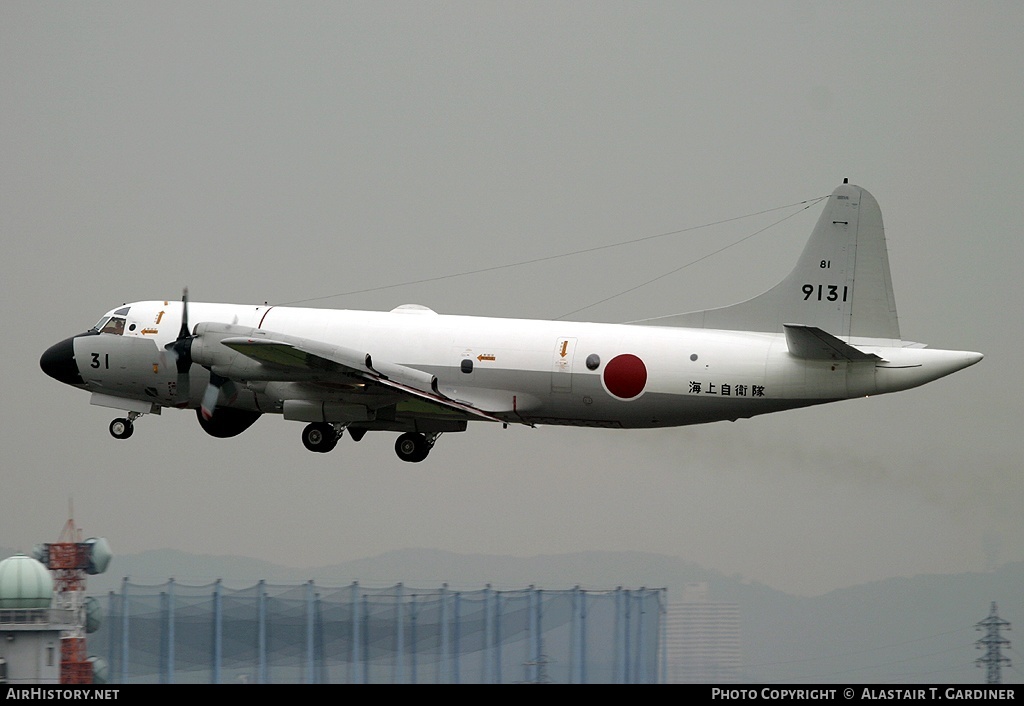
180	352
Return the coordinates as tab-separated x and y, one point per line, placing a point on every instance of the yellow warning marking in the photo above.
565	347
148	331
160	316
485	356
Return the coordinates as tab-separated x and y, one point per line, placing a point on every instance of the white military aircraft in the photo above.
827	332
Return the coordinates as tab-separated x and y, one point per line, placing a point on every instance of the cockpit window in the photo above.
114	325
112	321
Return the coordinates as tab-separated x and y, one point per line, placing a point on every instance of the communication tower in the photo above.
70	560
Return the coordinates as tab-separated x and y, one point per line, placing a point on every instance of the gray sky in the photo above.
283	151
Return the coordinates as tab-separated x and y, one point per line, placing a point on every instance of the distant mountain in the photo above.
899	630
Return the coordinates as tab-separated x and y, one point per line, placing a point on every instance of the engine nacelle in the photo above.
207	351
227	422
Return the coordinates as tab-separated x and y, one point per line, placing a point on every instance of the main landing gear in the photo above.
123	428
321	437
413	447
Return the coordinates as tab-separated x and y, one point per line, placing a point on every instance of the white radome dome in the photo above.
24	583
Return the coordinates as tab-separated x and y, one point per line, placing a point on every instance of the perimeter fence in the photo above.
173	633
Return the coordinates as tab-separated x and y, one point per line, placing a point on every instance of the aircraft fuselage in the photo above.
525	371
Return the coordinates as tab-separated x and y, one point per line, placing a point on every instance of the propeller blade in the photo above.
212	394
209	404
179	352
184	331
183	389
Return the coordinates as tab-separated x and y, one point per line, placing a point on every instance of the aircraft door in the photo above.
561	365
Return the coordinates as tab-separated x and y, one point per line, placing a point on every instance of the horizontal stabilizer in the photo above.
812	343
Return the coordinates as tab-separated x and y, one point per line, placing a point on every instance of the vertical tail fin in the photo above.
841	283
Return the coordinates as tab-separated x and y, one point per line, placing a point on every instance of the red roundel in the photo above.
625	376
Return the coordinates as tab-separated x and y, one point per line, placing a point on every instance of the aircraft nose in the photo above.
58	361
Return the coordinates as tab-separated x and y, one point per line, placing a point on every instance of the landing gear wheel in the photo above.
319	437
121	428
412	447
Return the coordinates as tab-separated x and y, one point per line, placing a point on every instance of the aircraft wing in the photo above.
304	355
